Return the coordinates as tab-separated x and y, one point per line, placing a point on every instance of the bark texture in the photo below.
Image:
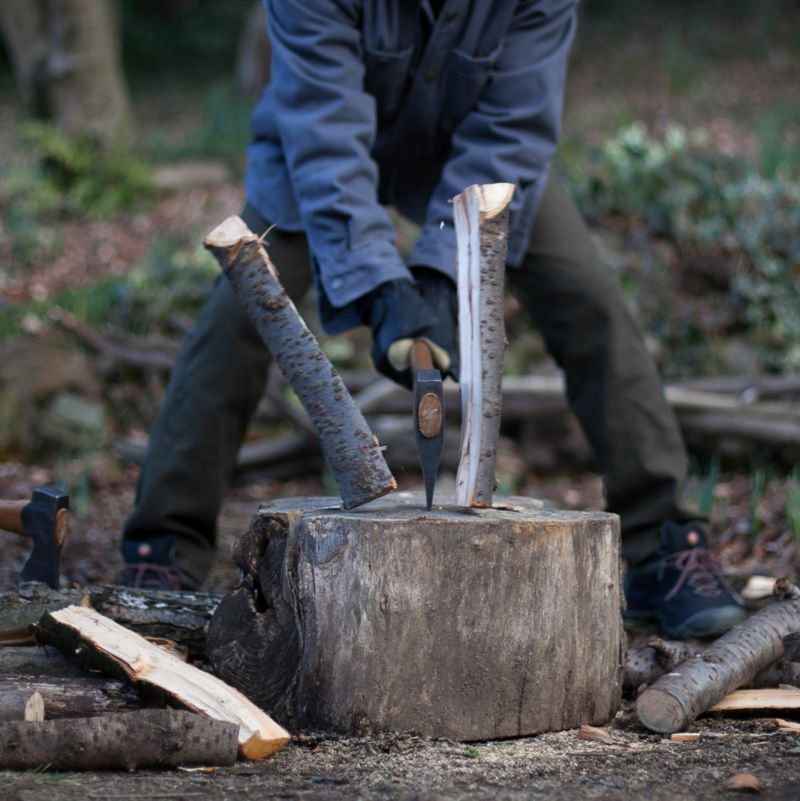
85	697
98	642
124	741
481	222
470	624
351	449
731	661
179	616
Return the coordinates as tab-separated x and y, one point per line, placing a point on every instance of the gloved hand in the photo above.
401	311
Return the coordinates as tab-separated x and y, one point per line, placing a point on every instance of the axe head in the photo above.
46	521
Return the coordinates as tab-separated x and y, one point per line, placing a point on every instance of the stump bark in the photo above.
466	623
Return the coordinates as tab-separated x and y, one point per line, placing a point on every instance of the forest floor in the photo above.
741	90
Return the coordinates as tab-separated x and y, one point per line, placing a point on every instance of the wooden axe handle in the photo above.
11	516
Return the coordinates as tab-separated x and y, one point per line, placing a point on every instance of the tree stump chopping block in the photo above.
471	624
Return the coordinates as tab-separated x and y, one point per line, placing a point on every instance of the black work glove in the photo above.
399	311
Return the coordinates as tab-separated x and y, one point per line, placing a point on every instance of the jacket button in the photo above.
336	283
430	76
451	15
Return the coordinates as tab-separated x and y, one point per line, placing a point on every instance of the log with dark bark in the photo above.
731	661
147	738
644	665
84	697
98	642
481	222
178	616
351	449
466	623
26	660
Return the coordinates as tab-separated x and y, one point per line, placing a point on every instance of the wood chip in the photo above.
34	708
685	737
743	782
756	700
758	587
787	725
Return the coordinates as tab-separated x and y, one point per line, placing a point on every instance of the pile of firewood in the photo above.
89	680
97	694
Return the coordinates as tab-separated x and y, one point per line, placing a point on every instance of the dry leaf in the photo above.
743	782
787	725
595	734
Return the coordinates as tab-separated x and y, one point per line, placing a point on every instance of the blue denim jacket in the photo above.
381	102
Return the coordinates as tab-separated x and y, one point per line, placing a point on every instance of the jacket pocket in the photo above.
467	75
385	78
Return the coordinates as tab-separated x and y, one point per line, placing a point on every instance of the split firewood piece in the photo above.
352	450
120	741
103	644
77	697
481	222
732	661
768	699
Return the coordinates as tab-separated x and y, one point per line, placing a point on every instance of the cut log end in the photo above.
228	233
494	198
661	712
260	747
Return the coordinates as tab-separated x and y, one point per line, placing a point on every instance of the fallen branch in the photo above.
730	662
149	358
147	738
98	642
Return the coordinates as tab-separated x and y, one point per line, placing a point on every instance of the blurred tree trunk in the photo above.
66	57
254	53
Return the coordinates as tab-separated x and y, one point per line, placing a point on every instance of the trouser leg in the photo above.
612	384
214	390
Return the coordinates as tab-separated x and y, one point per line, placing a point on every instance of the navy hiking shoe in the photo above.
149	564
682	587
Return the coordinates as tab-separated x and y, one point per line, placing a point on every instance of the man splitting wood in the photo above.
388	102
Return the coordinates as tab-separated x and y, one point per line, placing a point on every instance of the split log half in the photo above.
352	451
179	616
730	662
481	222
147	738
101	643
84	697
464	623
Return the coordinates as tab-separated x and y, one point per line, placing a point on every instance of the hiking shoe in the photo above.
149	564
682	587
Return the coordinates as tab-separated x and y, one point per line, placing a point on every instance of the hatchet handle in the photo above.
11	516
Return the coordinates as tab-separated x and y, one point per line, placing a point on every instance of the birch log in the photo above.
731	661
353	452
481	221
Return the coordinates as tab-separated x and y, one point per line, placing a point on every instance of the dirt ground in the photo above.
557	767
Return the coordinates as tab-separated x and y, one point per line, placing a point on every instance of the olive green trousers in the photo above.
573	300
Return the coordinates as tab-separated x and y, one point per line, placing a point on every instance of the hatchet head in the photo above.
45	519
